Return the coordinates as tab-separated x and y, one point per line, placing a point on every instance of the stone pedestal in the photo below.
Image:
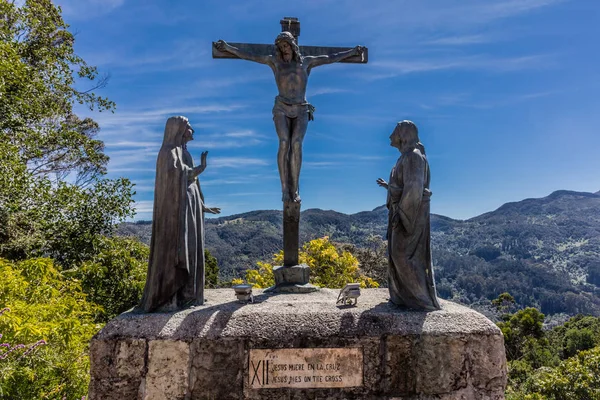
293	279
299	346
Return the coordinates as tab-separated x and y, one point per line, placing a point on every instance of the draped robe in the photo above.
410	274
176	265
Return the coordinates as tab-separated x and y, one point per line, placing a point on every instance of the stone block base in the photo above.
292	279
204	352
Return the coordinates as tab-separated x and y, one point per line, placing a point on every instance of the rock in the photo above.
203	352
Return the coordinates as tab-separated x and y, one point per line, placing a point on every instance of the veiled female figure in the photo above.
176	267
410	274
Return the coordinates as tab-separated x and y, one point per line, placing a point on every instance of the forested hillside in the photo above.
545	252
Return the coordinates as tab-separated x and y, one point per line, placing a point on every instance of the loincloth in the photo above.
292	110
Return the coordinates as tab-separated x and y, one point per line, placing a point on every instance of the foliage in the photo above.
45	304
488	253
262	277
39	72
504	302
211	271
544	251
372	259
577	334
550	364
115	277
42	143
577	378
60	220
329	267
524	337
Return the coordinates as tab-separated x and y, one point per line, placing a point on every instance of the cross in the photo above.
292	25
291	65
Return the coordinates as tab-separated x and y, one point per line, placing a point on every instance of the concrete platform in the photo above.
203	352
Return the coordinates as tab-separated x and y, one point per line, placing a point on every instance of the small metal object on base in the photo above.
244	293
293	279
349	292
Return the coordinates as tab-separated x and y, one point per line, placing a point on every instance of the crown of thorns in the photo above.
284	36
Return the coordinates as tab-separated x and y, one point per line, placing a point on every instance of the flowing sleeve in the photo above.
413	176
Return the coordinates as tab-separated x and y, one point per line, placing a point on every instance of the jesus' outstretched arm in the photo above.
315	61
222	45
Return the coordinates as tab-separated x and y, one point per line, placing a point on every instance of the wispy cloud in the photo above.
120	159
458	40
139	117
231	140
144	206
181	55
425	14
237	162
242	134
251	179
391	68
327	90
319	164
87	9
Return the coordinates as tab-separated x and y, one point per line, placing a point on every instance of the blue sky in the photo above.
504	92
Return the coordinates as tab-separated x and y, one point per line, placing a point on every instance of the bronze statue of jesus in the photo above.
291	111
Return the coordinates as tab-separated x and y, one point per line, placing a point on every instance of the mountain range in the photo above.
544	251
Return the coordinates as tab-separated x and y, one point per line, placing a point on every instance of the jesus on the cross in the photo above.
291	111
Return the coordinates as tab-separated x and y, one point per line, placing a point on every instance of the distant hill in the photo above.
545	252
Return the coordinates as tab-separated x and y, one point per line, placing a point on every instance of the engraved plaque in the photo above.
305	368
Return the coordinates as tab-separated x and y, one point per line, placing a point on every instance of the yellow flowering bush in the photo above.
329	267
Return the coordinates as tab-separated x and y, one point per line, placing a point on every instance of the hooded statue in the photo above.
410	273
176	266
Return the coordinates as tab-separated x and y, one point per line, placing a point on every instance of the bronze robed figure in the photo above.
176	266
410	273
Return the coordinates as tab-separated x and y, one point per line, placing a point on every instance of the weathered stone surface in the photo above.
292	279
441	364
202	352
168	370
398	376
292	274
118	366
225	358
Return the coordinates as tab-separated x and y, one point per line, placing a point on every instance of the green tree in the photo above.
372	259
39	73
577	378
329	267
211	268
115	277
577	340
45	305
42	142
57	219
523	334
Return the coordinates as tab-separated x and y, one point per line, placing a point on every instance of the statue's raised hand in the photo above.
382	183
203	160
359	50
213	210
221	45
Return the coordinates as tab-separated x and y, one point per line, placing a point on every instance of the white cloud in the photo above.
425	14
178	56
88	9
149	116
327	90
458	40
391	68
237	162
144	206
